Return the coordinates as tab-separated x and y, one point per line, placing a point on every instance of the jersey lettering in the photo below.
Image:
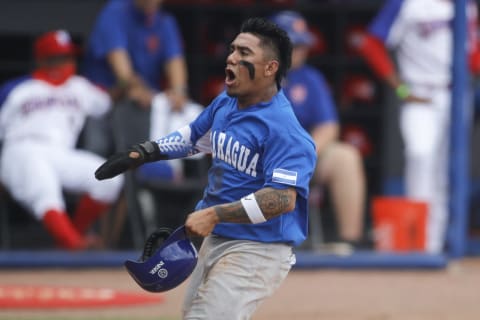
49	102
252	166
427	28
228	158
242	160
234	153
236	146
212	139
221	141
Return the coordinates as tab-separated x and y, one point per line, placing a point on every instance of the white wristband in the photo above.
252	209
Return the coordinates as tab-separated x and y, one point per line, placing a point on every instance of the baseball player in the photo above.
41	117
254	209
420	33
339	165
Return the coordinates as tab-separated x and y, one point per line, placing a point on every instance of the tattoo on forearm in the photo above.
232	212
272	202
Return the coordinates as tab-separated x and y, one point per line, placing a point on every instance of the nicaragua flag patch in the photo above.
285	176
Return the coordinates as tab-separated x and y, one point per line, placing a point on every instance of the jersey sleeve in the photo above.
289	161
97	100
387	24
189	140
203	123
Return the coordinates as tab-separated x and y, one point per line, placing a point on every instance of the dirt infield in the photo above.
452	293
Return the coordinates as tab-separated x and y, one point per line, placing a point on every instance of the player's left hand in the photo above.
135	156
115	165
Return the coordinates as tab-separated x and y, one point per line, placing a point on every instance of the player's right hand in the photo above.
417	99
135	156
202	222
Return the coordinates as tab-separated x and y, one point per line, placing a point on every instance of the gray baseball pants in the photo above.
233	277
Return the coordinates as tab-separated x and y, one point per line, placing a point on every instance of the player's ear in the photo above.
271	68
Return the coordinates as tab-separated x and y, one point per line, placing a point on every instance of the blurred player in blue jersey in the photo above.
339	165
133	45
254	209
420	35
135	51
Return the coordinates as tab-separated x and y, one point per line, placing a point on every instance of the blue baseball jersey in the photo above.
310	96
150	43
261	146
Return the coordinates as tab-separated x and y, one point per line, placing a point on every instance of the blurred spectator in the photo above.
133	45
420	34
339	164
41	117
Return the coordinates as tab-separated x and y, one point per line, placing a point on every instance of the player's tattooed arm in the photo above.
272	202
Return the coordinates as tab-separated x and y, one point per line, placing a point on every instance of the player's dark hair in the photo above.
274	37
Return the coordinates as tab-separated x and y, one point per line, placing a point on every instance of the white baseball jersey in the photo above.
35	109
421	33
39	127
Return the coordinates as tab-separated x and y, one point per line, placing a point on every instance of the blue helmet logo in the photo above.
169	265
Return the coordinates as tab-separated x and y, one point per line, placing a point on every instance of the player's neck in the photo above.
55	75
258	97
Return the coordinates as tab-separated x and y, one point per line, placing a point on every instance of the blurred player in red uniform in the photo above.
41	117
420	34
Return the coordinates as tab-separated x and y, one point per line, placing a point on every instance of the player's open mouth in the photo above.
229	77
